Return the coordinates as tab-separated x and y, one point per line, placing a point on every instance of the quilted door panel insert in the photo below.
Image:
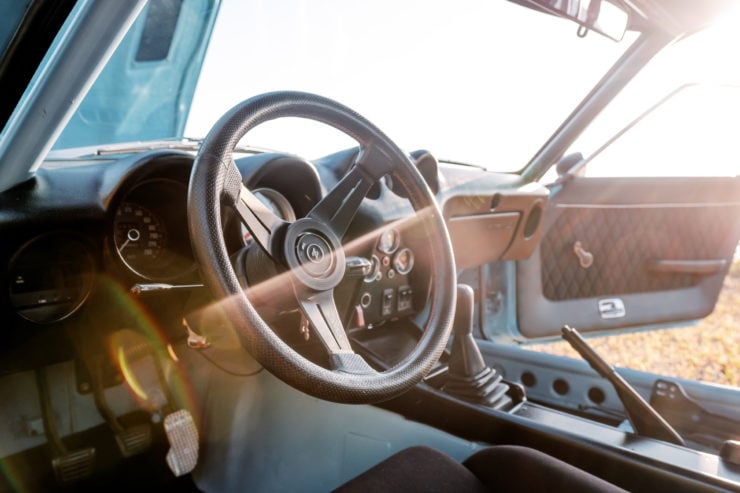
624	240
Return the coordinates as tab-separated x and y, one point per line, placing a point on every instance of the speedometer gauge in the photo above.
139	236
150	230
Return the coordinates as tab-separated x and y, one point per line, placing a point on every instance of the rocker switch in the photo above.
404	298
387	303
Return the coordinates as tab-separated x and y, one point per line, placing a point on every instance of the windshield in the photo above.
476	81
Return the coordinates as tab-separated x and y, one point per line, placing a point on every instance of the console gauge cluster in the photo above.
386	292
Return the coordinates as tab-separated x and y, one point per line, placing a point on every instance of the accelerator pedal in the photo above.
183	437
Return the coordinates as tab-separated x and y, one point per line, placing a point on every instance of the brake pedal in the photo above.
131	440
143	376
134	440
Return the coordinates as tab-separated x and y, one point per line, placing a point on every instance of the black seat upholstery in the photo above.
501	468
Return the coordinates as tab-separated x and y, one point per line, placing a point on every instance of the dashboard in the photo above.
98	248
91	241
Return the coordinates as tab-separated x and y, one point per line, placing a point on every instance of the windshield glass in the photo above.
476	81
10	21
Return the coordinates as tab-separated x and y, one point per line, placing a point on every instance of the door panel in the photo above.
625	252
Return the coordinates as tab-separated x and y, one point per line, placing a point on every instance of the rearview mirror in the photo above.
600	16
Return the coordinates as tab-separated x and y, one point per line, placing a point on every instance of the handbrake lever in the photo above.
644	419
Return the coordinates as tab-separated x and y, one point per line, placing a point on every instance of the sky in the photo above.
481	81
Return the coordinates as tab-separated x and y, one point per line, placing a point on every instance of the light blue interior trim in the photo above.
259	434
84	44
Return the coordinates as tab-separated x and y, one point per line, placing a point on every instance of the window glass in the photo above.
693	89
693	133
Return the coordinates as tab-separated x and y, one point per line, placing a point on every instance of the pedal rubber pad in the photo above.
74	466
134	440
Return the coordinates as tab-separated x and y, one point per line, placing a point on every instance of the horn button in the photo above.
314	254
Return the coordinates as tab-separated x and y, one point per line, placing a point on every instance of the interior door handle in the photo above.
698	267
585	258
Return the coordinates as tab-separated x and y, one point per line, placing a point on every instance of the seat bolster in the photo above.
512	468
415	469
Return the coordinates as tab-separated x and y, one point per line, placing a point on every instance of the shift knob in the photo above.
465	357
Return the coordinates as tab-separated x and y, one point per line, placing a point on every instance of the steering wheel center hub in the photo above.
314	254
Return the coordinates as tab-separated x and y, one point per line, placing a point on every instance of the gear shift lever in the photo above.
469	377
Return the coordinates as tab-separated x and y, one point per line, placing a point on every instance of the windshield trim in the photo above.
83	45
31	29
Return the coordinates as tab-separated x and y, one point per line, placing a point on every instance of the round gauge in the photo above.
139	236
389	241
403	262
150	230
50	278
374	269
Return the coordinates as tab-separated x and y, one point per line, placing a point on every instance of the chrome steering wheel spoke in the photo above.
340	205
262	223
321	312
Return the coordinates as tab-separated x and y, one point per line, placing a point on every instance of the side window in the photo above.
694	132
688	97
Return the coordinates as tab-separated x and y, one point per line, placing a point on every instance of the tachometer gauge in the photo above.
50	277
139	236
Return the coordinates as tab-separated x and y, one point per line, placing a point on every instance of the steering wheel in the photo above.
310	250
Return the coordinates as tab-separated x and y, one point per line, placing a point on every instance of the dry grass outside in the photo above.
708	351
